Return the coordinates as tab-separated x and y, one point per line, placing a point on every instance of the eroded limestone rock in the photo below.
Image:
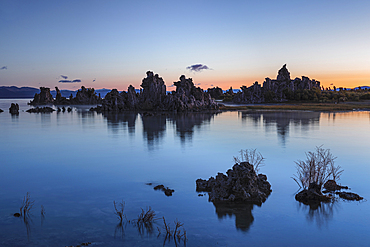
14	108
240	184
41	110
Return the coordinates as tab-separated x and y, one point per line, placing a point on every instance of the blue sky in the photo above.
111	44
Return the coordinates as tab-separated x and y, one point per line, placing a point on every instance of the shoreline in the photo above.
297	106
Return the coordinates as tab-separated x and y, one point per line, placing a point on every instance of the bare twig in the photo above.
26	205
252	157
119	210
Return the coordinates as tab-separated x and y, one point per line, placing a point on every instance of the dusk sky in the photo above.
111	44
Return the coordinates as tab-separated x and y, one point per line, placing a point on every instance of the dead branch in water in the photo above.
119	210
26	205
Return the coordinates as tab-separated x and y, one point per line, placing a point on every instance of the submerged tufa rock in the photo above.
312	195
41	110
240	184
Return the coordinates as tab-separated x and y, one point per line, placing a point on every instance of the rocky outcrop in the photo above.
153	97
215	92
59	99
42	98
84	96
274	90
40	110
240	184
154	92
14	108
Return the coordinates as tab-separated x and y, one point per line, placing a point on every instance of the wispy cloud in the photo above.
4	67
64	77
69	81
197	67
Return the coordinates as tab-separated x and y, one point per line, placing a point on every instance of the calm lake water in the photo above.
76	164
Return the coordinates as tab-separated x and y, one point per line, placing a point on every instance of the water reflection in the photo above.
321	213
155	125
186	122
115	121
241	211
154	129
282	121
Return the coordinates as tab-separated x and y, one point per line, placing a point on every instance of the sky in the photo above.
111	44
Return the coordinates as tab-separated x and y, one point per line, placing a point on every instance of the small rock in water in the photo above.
331	185
14	108
167	191
349	196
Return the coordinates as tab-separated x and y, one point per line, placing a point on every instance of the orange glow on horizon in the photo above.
346	80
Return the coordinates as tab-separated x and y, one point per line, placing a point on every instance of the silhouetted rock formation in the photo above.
59	99
240	184
274	90
40	110
84	96
153	93
14	108
189	98
42	98
153	97
215	92
1	110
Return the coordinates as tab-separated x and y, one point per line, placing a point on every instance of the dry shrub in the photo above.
318	168
252	157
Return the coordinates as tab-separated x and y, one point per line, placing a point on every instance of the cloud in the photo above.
94	80
197	67
4	67
64	77
171	85
69	81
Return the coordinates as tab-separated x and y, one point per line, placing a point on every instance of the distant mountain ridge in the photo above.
9	92
16	92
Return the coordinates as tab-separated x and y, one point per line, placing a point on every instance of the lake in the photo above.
76	164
